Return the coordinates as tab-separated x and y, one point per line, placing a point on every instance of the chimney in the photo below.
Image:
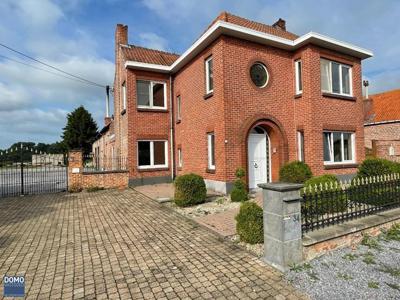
366	85
107	120
121	34
280	24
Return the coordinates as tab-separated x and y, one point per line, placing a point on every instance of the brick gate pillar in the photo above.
75	168
282	224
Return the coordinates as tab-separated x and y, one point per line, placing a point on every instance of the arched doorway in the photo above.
259	158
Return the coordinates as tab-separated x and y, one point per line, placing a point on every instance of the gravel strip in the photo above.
218	205
360	273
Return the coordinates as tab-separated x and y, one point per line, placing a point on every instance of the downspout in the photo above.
171	119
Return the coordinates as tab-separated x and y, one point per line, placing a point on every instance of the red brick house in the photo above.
382	125
245	94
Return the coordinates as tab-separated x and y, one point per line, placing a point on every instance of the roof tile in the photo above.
386	106
152	56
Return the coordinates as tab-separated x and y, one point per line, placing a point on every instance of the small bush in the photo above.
75	188
317	180
249	224
93	189
239	191
190	189
239	195
377	167
321	205
295	172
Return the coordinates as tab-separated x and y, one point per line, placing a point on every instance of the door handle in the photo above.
255	165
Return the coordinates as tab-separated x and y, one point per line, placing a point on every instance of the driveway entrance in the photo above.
122	245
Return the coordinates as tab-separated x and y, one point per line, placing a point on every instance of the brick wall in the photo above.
382	132
77	179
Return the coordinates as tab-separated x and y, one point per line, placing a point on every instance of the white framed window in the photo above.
152	154
180	163
151	94
178	108
300	145
124	96
298	76
336	78
209	75
211	150
339	147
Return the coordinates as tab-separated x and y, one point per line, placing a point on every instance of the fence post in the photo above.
75	168
282	224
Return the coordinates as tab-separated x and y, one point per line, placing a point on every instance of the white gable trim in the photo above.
222	27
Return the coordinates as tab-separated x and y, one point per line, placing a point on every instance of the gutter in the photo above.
171	120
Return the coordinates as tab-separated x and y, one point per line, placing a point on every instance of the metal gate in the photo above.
24	171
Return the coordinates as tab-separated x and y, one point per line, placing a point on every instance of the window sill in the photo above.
153	169
340	166
342	97
296	96
161	110
209	95
123	112
210	171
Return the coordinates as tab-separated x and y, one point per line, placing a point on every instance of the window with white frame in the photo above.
151	94
152	154
298	75
336	78
211	150
124	96
180	158
300	145
338	147
209	75
178	108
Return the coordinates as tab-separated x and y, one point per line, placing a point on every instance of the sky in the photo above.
77	36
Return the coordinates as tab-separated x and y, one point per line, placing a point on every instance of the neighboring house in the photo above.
245	94
47	159
104	153
382	125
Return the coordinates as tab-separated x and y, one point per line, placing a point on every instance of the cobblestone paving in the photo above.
121	244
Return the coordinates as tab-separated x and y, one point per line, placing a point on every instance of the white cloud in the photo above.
33	103
152	40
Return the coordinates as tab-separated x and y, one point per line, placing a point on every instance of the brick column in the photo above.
75	168
282	225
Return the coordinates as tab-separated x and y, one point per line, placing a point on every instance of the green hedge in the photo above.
239	191
330	201
190	189
295	172
377	167
249	223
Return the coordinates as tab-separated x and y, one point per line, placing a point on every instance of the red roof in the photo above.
146	55
228	17
152	56
386	106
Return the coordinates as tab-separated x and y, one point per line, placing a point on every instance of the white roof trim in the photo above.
222	27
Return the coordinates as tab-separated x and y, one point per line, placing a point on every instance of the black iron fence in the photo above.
98	163
325	205
43	173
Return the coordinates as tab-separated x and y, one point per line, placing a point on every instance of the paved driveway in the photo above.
113	244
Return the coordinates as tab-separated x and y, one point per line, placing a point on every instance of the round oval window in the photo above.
259	75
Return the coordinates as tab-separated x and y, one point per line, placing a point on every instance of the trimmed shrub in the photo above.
377	167
317	180
295	172
249	224
239	195
190	189
320	205
239	191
